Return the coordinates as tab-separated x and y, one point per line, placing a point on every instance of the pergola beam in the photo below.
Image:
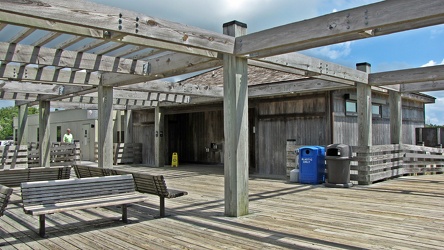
415	75
118	23
313	67
376	19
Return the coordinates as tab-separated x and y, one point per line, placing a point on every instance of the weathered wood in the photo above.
236	128
14	177
13	157
144	183
43	56
47	75
105	137
422	86
44	133
151	32
377	19
5	193
47	197
315	67
159	140
395	102
61	154
416	75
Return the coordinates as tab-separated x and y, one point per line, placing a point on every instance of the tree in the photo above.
7	115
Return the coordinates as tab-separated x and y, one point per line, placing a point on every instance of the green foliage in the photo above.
433	126
7	115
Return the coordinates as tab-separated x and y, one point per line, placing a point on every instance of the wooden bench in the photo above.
47	197
5	193
14	177
145	183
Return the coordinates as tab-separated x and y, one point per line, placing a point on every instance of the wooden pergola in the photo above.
84	55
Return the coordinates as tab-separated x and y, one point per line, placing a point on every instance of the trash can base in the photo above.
342	185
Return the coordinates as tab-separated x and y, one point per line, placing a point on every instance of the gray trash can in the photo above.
338	158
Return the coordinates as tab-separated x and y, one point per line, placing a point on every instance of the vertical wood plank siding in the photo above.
346	129
303	119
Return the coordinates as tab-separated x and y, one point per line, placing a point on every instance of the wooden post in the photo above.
364	96
235	127
105	130
159	147
395	103
44	133
118	126
22	131
128	126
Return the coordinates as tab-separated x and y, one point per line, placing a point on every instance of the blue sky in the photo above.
410	49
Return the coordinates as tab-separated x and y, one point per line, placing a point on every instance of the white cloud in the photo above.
432	63
332	51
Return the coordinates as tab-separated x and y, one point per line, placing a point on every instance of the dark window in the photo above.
59	133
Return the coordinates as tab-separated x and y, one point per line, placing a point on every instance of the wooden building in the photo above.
314	118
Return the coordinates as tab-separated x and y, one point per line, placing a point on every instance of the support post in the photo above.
118	126
105	130
159	147
395	103
235	127
128	126
22	131
364	96
44	133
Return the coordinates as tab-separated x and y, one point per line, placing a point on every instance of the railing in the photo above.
61	154
382	162
123	153
13	157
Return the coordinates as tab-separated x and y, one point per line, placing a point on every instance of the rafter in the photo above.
67	59
49	75
377	19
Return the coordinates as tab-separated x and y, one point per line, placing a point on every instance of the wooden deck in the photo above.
405	213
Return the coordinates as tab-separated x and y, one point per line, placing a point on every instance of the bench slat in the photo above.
103	201
5	194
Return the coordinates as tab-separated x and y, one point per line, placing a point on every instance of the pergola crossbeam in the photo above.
380	18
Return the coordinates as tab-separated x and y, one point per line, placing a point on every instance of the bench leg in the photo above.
162	207
124	213
42	225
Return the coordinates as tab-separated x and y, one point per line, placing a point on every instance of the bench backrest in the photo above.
5	193
50	192
13	177
145	183
89	171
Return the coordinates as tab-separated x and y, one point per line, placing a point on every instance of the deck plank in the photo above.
404	213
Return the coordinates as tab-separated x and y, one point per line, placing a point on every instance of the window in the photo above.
376	110
350	107
59	133
38	135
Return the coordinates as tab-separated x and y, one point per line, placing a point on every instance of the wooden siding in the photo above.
303	119
143	132
346	129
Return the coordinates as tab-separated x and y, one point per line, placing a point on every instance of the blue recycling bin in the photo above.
312	164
